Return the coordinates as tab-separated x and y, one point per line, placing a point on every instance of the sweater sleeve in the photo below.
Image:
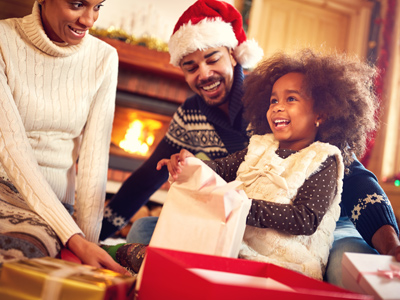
303	216
19	162
227	167
365	202
94	153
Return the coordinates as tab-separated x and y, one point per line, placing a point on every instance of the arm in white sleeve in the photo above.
93	159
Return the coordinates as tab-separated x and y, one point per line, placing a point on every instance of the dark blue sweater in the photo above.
365	202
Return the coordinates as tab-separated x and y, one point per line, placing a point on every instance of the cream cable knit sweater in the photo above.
56	101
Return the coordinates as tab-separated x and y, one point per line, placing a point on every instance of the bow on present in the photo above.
394	272
53	283
271	171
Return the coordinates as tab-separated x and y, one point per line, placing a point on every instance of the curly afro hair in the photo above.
342	89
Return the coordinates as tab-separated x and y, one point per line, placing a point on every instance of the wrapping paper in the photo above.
202	213
376	275
50	279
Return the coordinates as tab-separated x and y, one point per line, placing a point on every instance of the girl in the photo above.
309	113
57	95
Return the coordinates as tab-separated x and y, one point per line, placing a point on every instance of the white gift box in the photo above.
202	213
371	274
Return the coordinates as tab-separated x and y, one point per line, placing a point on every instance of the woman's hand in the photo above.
175	163
91	254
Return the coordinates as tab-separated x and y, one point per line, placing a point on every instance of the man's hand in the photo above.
91	254
175	163
386	241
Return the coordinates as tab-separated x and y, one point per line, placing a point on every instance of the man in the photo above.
209	124
210	46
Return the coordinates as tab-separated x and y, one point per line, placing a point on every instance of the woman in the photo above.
57	95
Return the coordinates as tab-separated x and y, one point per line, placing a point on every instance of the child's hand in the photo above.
175	163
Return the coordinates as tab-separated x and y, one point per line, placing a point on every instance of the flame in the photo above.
140	136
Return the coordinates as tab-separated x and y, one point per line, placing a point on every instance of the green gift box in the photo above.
51	279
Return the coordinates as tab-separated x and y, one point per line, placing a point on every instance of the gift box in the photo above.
168	274
202	213
51	278
377	275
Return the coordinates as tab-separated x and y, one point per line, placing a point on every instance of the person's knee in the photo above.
142	230
333	272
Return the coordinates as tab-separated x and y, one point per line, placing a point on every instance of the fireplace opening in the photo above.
139	125
136	133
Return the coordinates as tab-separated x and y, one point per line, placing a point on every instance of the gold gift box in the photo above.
51	279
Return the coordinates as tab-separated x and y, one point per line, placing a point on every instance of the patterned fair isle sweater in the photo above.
56	101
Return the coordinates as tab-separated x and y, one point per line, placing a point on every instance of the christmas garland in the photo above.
119	34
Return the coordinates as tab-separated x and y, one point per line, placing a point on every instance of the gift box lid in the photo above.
181	275
377	275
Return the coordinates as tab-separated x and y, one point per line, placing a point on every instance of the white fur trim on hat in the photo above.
248	53
208	33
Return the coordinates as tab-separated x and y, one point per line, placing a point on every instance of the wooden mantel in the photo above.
145	59
148	72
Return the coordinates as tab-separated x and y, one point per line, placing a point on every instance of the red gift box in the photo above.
168	274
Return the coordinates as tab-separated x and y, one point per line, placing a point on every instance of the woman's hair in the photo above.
342	89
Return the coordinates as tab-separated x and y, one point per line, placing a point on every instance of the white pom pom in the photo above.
248	53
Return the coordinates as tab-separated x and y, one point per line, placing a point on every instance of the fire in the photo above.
140	136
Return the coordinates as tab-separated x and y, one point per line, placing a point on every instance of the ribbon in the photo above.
392	273
271	171
53	284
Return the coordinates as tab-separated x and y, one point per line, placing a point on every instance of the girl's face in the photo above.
290	115
69	20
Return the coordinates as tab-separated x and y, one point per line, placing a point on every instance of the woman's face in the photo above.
291	115
69	20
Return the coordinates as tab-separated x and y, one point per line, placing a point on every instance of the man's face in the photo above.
210	73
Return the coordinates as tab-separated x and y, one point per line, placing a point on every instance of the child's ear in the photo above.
319	120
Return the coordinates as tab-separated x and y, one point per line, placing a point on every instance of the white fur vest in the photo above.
266	176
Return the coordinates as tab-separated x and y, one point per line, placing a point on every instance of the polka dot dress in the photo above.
309	206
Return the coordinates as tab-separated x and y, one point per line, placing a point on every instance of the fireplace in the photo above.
149	92
139	125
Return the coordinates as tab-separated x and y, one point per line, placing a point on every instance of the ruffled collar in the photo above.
32	26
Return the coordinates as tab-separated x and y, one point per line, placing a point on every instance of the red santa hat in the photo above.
210	24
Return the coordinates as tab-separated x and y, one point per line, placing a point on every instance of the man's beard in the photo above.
209	101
